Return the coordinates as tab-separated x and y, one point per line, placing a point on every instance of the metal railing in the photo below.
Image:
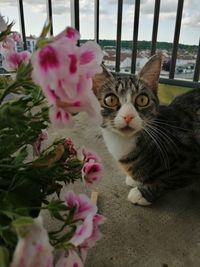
195	83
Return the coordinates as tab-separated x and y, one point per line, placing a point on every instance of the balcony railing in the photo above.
195	83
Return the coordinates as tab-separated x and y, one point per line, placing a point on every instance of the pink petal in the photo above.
34	248
73	64
89	168
16	37
98	219
52	96
72	260
60	117
83	231
83	204
91	173
48	58
86	207
9	44
89	155
86	57
25	57
91	57
71	199
72	34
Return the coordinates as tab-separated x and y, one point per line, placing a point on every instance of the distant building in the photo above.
30	43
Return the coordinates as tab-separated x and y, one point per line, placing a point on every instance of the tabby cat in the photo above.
157	146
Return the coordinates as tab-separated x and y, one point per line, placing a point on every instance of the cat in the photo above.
157	146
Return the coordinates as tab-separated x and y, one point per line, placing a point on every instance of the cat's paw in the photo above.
135	197
131	182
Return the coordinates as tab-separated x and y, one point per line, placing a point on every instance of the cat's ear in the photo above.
151	71
100	79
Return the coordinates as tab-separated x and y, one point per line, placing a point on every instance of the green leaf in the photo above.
45	30
21	156
55	207
4	257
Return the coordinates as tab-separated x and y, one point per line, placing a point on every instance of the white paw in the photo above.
131	182
136	197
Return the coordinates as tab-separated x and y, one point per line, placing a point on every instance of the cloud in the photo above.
191	14
168	8
192	21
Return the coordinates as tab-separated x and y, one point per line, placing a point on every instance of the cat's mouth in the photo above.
127	130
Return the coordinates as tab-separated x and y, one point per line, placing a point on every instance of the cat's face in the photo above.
128	103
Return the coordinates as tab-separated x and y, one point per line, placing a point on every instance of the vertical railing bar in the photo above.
135	35
96	20
155	26
119	30
72	13
197	66
176	38
22	24
49	14
76	14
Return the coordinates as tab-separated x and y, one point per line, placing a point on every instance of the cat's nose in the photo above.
128	118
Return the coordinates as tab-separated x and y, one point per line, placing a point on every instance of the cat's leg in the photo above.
145	194
131	182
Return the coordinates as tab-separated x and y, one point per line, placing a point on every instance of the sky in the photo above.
35	16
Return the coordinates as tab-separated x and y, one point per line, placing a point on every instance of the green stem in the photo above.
8	90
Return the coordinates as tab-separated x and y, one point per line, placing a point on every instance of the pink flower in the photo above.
84	206
87	232
16	37
83	232
71	260
13	60
92	168
94	237
33	249
41	138
64	71
8	44
91	172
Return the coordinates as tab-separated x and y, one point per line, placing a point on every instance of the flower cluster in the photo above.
91	163
12	58
64	71
34	249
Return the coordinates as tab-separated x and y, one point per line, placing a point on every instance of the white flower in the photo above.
3	24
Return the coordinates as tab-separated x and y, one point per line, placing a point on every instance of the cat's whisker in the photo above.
162	151
170	125
158	129
159	135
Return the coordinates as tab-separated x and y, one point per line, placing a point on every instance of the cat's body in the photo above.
158	147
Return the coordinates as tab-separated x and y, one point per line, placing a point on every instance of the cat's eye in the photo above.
111	100
142	100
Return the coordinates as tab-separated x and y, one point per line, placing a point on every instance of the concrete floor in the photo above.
166	234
